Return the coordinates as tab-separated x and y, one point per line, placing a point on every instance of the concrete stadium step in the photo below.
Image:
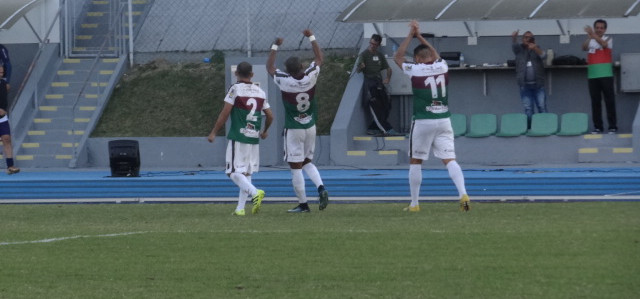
357	185
597	148
77	87
59	123
47	147
61	99
42	161
607	154
382	157
65	111
54	135
95	40
607	140
87	63
94	50
380	143
72	75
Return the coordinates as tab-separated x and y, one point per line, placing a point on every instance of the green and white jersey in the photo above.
248	101
298	96
429	83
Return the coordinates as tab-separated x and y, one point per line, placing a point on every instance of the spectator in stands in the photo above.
600	74
374	94
298	87
530	73
245	103
431	127
5	128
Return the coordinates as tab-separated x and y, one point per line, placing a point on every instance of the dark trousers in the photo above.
377	101
599	88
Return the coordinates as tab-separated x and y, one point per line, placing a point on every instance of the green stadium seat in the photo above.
574	123
512	125
459	124
482	125
543	124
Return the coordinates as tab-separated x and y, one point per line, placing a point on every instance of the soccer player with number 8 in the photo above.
298	88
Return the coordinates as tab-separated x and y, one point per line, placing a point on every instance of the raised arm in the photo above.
398	57
316	48
271	61
591	34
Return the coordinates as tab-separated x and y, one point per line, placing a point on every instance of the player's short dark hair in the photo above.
293	65
377	38
244	69
422	51
600	21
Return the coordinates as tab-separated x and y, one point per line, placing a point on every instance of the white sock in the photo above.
313	174
415	180
243	196
244	184
242	199
455	172
297	179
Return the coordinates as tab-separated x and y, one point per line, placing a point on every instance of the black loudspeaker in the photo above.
124	158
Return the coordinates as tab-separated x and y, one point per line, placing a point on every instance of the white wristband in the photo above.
312	38
274	47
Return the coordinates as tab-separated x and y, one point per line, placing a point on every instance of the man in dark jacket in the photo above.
530	73
371	63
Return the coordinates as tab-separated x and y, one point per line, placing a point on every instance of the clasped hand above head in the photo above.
415	27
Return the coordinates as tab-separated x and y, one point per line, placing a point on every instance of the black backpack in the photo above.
568	60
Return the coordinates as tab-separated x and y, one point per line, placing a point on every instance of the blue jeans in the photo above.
530	96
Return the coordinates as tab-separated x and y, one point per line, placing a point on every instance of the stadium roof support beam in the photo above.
12	10
372	11
628	12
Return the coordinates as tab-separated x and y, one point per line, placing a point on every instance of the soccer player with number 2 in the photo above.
244	104
431	126
298	88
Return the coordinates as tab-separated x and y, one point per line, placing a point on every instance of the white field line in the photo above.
70	238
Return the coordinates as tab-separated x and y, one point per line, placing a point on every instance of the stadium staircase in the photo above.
71	104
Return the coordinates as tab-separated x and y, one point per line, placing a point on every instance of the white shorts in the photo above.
428	133
299	144
242	157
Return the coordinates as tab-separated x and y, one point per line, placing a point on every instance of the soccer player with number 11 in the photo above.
431	126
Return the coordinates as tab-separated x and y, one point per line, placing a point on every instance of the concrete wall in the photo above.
189	152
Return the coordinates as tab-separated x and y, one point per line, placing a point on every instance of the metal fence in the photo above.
244	25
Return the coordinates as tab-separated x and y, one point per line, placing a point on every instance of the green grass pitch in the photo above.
372	250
